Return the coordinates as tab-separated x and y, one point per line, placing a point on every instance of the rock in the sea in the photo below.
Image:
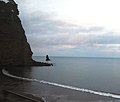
14	48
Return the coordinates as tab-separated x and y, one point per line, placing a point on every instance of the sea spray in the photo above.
5	72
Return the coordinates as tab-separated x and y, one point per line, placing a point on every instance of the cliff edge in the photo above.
14	48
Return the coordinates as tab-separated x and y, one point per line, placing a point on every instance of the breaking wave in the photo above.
5	72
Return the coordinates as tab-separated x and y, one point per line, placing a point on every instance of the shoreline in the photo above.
49	92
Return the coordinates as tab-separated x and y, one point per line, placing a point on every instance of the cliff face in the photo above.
14	48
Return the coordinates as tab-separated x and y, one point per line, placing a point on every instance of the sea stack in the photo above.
14	48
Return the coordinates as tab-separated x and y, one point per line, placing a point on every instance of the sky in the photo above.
78	28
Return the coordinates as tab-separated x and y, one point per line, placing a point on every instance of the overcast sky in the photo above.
83	28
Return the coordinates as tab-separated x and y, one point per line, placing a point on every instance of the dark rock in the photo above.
14	48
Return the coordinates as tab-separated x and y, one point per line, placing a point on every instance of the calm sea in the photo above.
87	74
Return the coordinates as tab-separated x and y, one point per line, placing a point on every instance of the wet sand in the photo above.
48	92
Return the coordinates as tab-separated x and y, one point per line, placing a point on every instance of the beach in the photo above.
84	52
48	92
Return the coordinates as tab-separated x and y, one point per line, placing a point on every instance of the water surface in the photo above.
100	74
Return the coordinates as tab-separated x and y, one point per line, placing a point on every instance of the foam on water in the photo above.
5	72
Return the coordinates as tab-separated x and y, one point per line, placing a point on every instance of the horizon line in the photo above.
79	56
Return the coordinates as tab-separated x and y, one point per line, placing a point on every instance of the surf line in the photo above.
5	72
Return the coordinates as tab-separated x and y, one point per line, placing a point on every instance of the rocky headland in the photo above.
14	48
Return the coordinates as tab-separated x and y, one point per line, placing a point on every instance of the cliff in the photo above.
14	48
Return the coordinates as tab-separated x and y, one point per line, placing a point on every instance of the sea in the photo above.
100	76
